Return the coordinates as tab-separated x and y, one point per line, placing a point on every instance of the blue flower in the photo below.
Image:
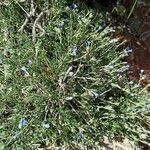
100	28
61	25
74	6
81	135
16	135
147	106
127	51
88	44
90	130
30	62
74	51
127	67
22	123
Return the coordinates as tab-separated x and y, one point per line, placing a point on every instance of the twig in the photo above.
67	72
29	15
23	25
23	9
132	9
6	32
36	24
41	29
32	9
46	112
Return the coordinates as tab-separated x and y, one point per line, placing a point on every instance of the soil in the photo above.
137	35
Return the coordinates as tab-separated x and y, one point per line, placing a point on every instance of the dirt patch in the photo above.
119	144
137	35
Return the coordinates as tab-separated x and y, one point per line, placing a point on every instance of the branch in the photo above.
29	15
23	25
36	25
32	9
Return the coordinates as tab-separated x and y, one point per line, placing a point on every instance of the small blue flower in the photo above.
22	123
88	44
128	67
16	135
127	51
147	106
74	51
90	130
135	109
74	6
81	135
61	25
30	62
100	28
103	22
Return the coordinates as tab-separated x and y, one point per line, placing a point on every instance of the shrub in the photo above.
68	89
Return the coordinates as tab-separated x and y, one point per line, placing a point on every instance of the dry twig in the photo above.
37	25
28	15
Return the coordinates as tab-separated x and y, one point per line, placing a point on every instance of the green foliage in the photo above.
70	86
